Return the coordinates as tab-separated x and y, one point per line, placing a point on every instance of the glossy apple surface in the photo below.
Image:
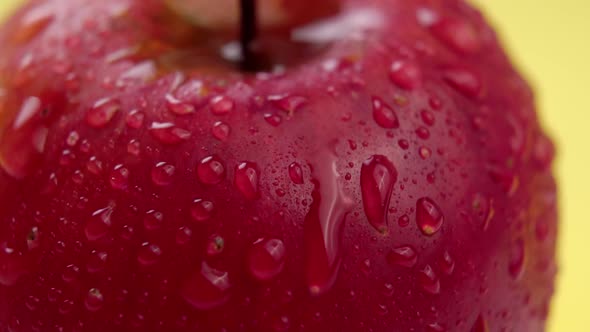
389	174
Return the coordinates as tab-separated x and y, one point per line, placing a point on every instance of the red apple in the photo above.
387	172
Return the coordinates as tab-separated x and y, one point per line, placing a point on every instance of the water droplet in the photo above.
119	177
406	74
424	152
428	216
148	254
266	259
464	81
378	175
102	112
73	138
94	300
427	117
67	158
177	106
483	209
33	240
506	178
296	173
287	103
429	280
458	34
134	147
404	144
135	119
97	261
78	177
517	259
215	245
246	179
480	325
202	210
403	221
384	115
30	107
221	130
32	302
183	236
221	105
153	220
323	226
423	132
273	119
435	327
99	224
211	170
447	264
163	173
70	273
206	289
66	306
168	133
405	256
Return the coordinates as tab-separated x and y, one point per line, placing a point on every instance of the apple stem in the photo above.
248	32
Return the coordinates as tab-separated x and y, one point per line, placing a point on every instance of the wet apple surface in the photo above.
386	171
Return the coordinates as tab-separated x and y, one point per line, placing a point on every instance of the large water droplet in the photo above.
96	261
464	80
221	105
94	300
324	225
148	254
406	74
517	259
168	133
153	220
266	258
206	289
428	216
163	173
135	119
202	210
70	273
383	114
99	224
246	179
177	106
119	177
405	256
102	112
429	280
296	173
221	130
458	34
378	175
211	170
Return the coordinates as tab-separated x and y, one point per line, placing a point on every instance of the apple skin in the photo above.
397	181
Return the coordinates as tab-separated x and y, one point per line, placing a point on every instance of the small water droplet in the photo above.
323	225
383	114
428	216
378	176
163	173
465	81
202	210
424	152
405	256
403	221
102	112
206	289
246	179
215	245
153	220
404	144
266	259
406	74
221	105
183	236
134	147
211	170
73	138
221	130
149	254
480	325
273	119
70	273
96	261
296	173
517	259
427	117
429	280
458	34
78	177
119	177
447	263
168	133
135	119
99	224
287	103
94	300
177	106
423	132
67	158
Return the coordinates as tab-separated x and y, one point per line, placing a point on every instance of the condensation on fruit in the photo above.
378	176
429	217
207	288
266	258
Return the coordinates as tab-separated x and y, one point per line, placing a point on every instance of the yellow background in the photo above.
550	42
